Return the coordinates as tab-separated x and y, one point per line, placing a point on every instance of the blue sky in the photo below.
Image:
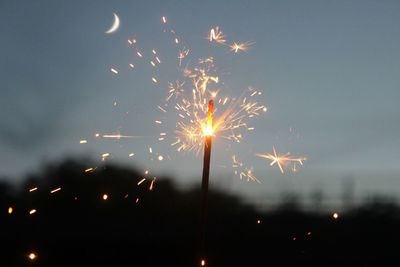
329	72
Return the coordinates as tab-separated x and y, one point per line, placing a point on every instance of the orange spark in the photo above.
152	184
89	170
118	136
281	159
216	35
32	256
55	190
141	181
238	47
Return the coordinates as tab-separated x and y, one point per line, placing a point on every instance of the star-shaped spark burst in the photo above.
281	160
238	47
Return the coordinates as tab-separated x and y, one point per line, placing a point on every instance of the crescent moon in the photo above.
114	26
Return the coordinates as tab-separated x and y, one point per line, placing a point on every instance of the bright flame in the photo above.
208	130
203	262
10	210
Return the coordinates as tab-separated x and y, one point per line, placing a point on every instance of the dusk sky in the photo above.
329	72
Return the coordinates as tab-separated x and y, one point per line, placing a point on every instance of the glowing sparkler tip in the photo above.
10	210
203	262
208	130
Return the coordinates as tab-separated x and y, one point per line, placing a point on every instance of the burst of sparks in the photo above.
217	35
188	97
186	104
281	160
238	47
182	54
230	117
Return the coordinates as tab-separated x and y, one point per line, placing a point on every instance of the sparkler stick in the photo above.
208	132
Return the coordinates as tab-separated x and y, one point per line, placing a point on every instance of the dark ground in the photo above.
76	227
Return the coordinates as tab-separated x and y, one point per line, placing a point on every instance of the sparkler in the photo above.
198	120
208	132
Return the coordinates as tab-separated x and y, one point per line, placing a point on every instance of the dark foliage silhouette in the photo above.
76	227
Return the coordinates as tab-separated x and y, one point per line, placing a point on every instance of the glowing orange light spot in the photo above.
258	221
10	210
32	256
203	262
105	197
335	215
55	190
208	130
32	211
